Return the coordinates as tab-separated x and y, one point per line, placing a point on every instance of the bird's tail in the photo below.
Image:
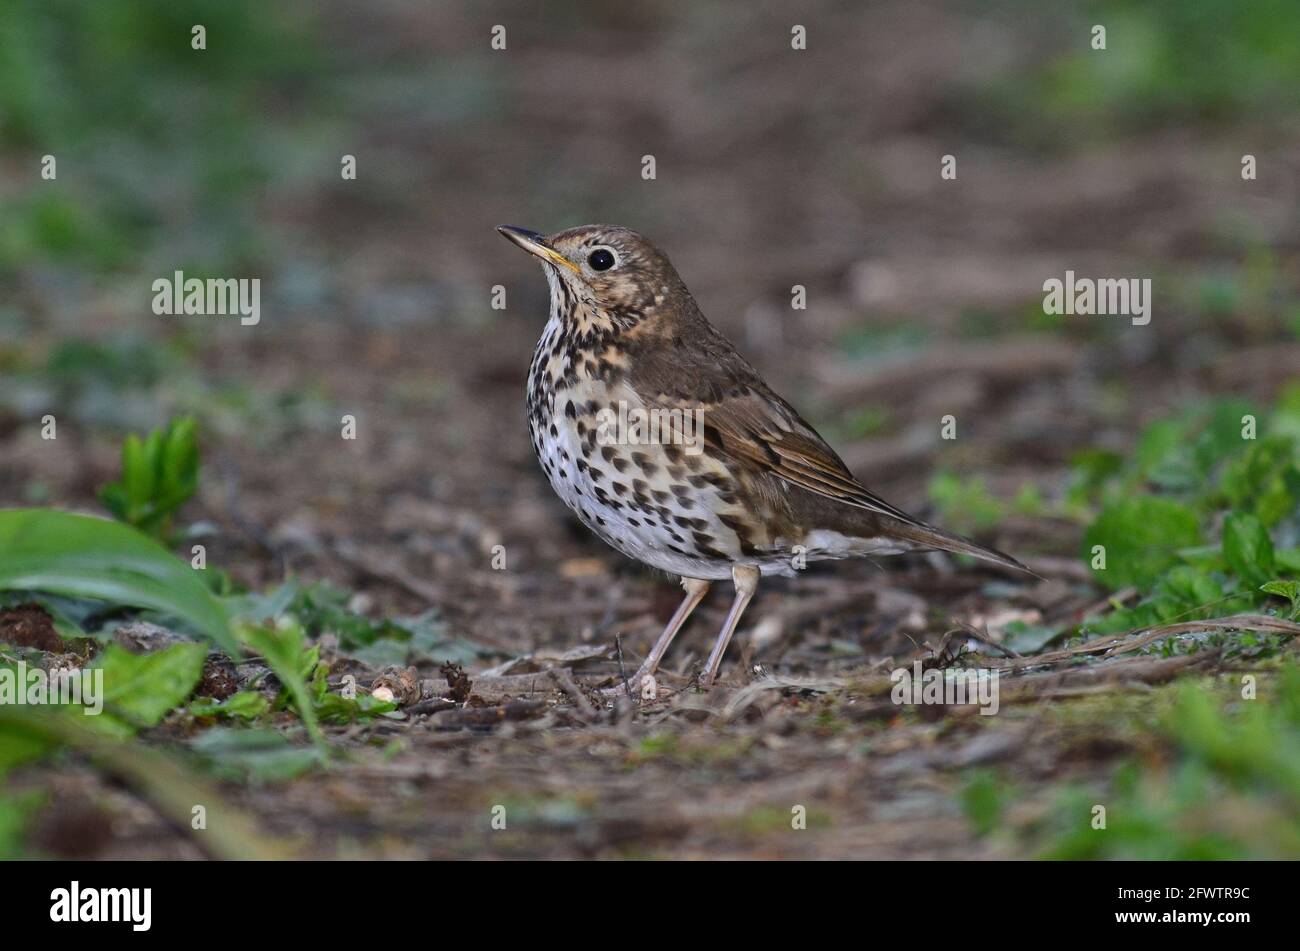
929	537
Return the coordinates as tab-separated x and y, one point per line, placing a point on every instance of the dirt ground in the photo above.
774	168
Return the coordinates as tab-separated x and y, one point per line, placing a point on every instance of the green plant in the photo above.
1190	517
141	689
322	608
160	473
80	556
983	799
965	505
1232	791
1285	589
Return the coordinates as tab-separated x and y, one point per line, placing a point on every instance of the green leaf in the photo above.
1184	593
965	503
20	741
80	556
322	608
244	705
1221	438
1162	445
338	709
159	475
282	647
984	799
1261	482
1141	537
1284	589
141	689
1091	469
1248	549
137	477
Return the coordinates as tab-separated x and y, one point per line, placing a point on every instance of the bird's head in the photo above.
611	268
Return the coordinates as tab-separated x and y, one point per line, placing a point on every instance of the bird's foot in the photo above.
641	686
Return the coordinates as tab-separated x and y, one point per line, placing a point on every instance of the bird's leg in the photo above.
695	591
746	580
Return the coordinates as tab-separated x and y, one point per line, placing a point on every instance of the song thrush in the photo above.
669	445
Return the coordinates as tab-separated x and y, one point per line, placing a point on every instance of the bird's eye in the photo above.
602	259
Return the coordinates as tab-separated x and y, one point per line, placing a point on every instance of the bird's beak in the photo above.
534	243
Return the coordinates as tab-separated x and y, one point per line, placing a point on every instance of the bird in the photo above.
670	446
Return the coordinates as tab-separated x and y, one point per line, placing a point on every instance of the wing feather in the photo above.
749	423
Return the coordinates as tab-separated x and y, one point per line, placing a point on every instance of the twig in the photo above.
622	671
565	682
431	705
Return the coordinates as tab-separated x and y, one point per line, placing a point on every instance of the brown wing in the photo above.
751	425
745	420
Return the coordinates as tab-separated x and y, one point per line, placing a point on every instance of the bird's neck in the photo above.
580	343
